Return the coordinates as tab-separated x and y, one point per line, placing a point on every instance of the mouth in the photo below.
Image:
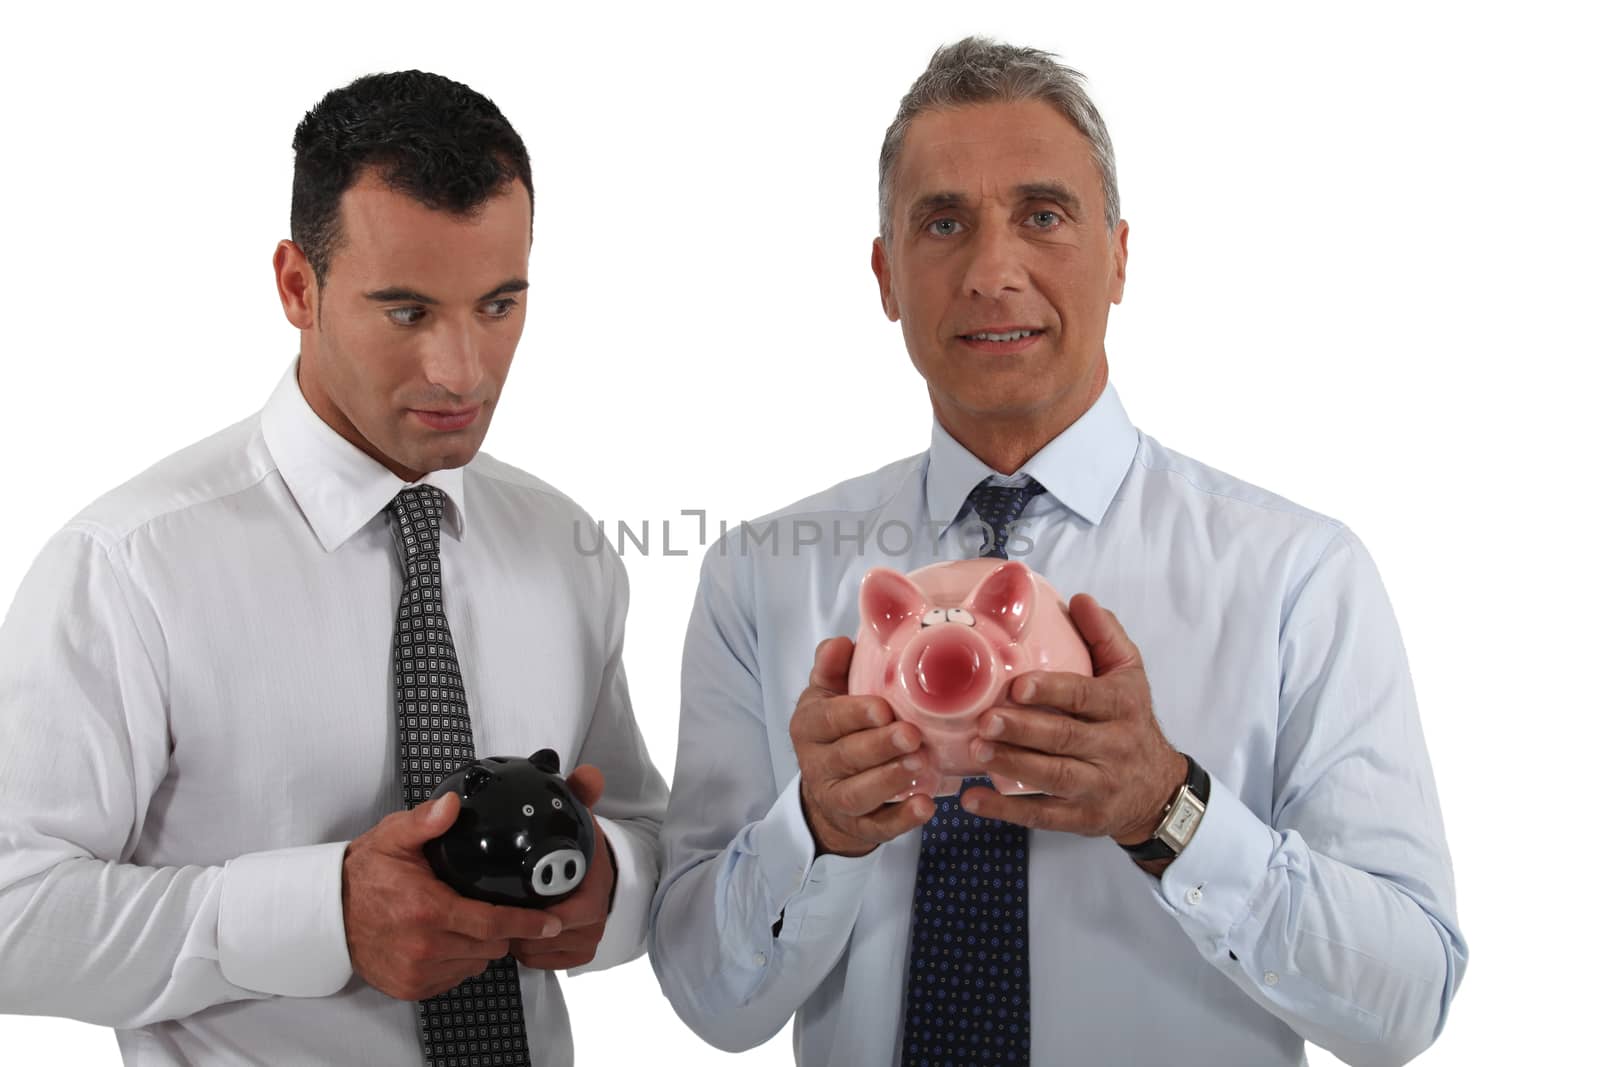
1001	340
448	419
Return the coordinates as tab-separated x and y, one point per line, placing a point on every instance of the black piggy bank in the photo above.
522	838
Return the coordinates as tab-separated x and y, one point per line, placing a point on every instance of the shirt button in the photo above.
761	961
1194	896
1271	978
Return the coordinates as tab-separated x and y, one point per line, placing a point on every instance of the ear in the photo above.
887	599
297	285
880	267
1119	256
547	760
1005	597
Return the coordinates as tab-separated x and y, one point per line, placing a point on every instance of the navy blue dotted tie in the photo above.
967	985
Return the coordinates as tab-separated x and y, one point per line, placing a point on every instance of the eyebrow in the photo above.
1029	191
1051	191
936	202
401	293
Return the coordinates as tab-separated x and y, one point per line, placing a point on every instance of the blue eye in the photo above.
944	227
405	316
1044	220
499	309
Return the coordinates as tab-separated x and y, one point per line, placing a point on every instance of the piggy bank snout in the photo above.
558	871
949	670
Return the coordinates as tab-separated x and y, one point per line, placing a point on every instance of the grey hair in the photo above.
977	70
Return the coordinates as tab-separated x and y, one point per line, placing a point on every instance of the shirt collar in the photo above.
338	487
1082	466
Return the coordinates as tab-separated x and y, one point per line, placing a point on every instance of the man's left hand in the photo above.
583	915
1091	744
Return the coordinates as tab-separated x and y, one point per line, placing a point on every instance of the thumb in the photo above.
1110	647
587	783
831	669
428	820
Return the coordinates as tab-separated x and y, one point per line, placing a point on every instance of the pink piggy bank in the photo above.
942	645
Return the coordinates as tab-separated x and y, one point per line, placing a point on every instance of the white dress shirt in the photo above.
197	702
1315	900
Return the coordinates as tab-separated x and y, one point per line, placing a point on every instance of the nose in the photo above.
557	872
454	362
995	267
949	670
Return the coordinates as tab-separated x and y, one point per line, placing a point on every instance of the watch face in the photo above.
1181	823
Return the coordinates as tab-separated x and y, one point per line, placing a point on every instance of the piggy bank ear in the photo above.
1005	598
887	598
547	760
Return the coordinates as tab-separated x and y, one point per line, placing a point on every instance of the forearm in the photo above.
740	938
83	712
1348	958
635	799
123	945
637	868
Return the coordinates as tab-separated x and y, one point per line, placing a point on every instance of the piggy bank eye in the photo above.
527	809
937	615
963	616
555	802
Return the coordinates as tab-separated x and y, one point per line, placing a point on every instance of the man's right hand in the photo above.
854	760
410	935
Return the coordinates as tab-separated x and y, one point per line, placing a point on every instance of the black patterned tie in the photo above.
480	1021
967	985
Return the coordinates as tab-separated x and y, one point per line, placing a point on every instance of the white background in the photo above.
1361	275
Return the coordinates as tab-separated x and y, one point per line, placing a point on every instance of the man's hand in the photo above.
1092	744
583	915
854	759
410	935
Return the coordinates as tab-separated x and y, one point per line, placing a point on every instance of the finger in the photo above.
583	909
488	922
825	719
587	783
410	830
1060	776
866	749
1035	812
448	947
830	668
452	975
568	941
1044	729
1110	647
864	793
893	820
1076	694
557	961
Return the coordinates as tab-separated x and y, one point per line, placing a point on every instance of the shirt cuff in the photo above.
1212	885
280	921
795	877
635	870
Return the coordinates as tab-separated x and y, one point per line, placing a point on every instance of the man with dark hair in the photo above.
1249	737
229	686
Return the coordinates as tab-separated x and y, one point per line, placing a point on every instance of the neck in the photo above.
1006	442
324	408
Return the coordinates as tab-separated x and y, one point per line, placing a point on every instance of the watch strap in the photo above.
1197	782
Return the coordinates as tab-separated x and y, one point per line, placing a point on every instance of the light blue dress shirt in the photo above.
1315	901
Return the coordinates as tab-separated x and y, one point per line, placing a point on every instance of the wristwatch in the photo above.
1180	818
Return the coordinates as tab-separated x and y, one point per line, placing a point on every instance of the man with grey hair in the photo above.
1249	742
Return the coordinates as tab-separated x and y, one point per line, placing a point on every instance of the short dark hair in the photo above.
431	138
